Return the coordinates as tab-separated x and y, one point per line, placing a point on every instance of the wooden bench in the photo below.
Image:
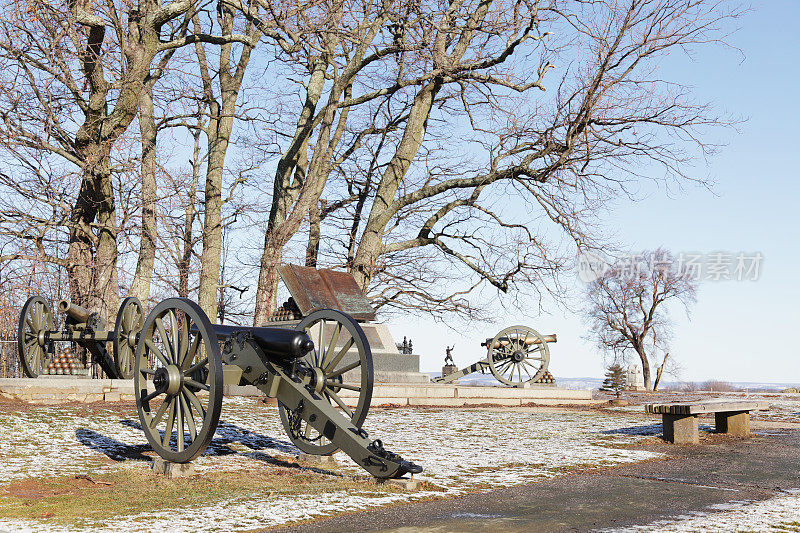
680	419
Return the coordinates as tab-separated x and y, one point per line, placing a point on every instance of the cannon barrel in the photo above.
529	342
277	343
78	313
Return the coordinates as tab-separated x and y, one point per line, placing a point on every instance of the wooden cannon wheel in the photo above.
327	361
34	321
178	380
518	355
130	319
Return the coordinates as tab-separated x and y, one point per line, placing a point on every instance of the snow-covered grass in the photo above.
461	451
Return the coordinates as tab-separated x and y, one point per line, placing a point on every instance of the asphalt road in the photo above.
717	471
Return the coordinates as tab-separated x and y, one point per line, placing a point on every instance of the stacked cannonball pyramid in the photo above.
547	377
65	364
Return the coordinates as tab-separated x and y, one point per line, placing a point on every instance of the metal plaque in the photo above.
326	289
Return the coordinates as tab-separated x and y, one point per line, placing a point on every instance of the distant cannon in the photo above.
37	336
516	356
180	371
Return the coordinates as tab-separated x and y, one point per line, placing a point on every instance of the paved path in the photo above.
691	479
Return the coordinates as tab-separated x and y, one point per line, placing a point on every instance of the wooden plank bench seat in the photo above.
680	419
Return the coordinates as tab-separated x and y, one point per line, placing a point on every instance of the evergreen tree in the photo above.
615	379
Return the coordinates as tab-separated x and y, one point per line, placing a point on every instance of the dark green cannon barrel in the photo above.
78	313
277	343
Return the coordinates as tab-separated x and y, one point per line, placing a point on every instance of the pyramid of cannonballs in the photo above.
64	363
547	377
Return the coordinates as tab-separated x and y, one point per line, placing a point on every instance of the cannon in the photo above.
182	362
516	356
36	336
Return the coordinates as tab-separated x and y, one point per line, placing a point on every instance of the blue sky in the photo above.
738	331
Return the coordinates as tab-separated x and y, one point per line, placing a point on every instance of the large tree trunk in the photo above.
147	247
314	221
645	367
219	134
267	280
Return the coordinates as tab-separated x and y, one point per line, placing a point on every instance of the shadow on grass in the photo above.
112	448
225	435
648	430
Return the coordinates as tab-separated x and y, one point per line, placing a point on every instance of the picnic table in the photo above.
680	419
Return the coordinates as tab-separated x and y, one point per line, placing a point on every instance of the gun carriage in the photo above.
180	370
516	356
37	336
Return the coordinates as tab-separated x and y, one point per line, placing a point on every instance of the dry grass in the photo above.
79	502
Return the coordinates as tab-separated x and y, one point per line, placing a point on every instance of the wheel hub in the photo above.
319	379
168	379
518	356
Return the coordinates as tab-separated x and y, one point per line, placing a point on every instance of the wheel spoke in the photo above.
195	401
159	414
335	398
150	396
164	338
344	350
170	423
193	383
176	335
156	352
346	386
188	417
190	355
179	426
307	431
529	365
194	368
183	345
332	345
502	367
344	369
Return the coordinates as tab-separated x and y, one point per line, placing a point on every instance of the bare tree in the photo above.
627	307
74	74
448	123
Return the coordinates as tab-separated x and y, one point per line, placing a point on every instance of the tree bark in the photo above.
645	367
660	372
312	249
147	247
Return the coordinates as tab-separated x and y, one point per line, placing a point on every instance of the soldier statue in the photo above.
448	358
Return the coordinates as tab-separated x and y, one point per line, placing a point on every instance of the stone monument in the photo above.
312	288
634	378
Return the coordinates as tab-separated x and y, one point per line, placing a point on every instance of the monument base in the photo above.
449	369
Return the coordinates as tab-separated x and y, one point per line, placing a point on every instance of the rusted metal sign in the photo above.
324	288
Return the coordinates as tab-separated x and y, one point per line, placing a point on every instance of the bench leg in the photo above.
680	429
736	423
